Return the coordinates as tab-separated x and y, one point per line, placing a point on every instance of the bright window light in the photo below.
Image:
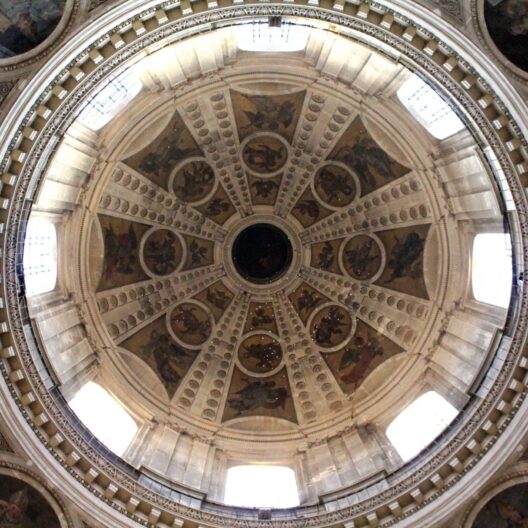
261	487
40	257
492	268
429	109
104	417
114	95
260	36
420	423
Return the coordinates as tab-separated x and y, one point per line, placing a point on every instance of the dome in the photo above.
266	235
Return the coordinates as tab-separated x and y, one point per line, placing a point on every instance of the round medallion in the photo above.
265	154
362	257
335	185
260	353
331	326
162	252
193	181
191	324
262	253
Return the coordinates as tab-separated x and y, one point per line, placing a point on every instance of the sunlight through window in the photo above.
104	417
420	423
260	36
492	268
40	257
429	109
261	487
116	93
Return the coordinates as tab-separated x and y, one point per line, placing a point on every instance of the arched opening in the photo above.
492	268
420	423
261	486
104	416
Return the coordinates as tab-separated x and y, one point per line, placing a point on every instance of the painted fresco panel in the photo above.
274	113
260	316
217	298
251	396
264	191
156	347
404	268
158	159
325	256
507	24
508	509
24	24
219	208
366	350
308	210
199	252
121	263
305	299
373	166
21	506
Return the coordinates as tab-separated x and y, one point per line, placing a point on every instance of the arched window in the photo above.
261	487
115	94
263	36
40	257
104	417
428	108
492	268
420	423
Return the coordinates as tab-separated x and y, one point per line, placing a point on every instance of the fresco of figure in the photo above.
362	257
194	181
508	509
162	252
264	155
21	506
405	257
169	357
24	24
507	24
330	326
191	323
257	394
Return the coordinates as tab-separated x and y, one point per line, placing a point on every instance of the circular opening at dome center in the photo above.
262	253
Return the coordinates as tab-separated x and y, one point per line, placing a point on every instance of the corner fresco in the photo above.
159	158
260	316
507	24
305	299
404	268
366	350
260	113
308	210
264	191
24	24
217	298
219	208
199	252
373	166
21	506
508	509
156	347
324	255
250	396
121	264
